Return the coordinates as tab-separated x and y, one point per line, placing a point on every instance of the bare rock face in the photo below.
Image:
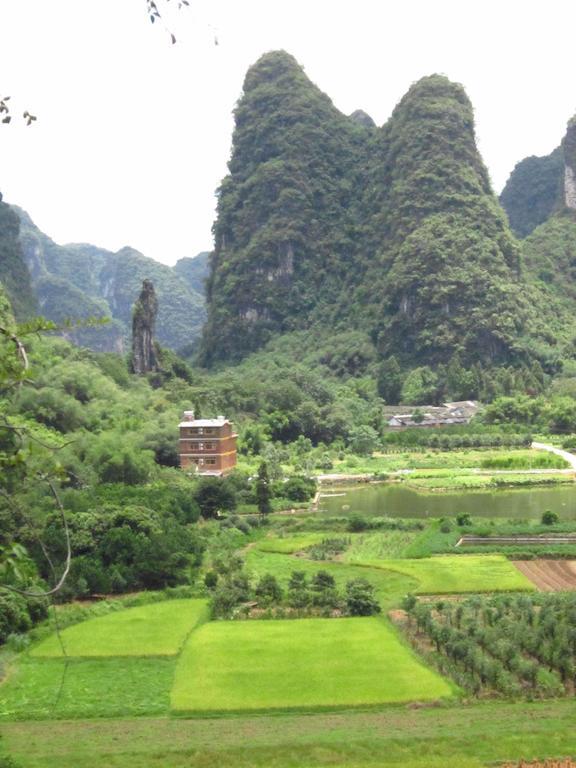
143	326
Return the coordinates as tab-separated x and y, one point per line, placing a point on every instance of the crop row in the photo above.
510	645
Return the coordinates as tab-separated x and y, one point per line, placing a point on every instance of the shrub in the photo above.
550	518
360	598
356	524
211	579
299	488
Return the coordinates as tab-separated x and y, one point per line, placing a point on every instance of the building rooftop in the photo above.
219	422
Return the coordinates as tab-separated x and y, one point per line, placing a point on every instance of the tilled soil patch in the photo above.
549	575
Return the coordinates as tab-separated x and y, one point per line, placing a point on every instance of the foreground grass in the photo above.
52	688
299	664
158	629
452	574
455	737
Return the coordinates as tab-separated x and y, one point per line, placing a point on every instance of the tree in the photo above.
360	598
263	490
268	591
420	387
363	439
299	488
214	495
390	380
324	590
550	518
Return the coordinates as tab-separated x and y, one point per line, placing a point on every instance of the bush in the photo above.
211	579
550	518
360	598
299	488
356	524
14	616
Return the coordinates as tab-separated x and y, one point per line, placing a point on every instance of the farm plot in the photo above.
303	664
453	574
51	688
156	629
549	575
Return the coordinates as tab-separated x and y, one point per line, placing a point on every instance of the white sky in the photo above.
133	134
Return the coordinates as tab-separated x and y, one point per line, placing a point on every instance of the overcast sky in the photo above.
133	133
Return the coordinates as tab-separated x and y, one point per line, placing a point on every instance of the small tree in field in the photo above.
550	518
263	491
360	598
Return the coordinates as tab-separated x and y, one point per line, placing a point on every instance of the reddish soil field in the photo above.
549	575
568	763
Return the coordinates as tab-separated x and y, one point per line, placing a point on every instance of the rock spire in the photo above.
143	327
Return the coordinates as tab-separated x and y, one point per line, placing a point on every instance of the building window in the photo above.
208	446
209	461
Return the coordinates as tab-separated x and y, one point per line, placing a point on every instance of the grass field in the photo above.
466	736
157	629
390	586
50	688
501	458
447	574
299	664
289	544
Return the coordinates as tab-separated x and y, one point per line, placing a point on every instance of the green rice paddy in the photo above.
157	629
453	574
299	664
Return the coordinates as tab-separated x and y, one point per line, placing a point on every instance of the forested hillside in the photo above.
329	224
540	187
79	281
13	272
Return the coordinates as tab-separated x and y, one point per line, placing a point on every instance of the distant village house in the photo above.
448	414
207	446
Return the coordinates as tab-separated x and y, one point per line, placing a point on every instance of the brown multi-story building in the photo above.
207	446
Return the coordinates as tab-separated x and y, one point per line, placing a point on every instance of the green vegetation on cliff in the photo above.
78	281
533	191
327	223
13	272
287	211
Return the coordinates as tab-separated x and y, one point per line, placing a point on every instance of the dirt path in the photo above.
569	457
549	575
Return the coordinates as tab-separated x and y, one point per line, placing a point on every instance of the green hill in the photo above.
328	223
80	280
13	271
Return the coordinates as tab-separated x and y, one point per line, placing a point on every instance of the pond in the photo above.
394	500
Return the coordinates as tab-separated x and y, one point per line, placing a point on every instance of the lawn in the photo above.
452	574
156	629
52	688
303	664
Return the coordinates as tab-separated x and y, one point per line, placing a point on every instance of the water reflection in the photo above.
393	500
